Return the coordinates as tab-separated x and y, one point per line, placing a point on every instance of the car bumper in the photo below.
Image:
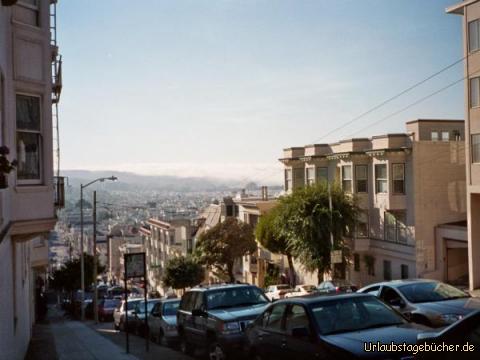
232	342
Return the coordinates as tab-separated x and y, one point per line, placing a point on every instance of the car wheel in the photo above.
186	347
216	352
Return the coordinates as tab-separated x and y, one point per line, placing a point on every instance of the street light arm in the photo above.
102	179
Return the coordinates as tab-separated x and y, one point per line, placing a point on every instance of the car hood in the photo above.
239	313
456	306
357	341
170	320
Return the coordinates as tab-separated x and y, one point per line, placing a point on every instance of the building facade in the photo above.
470	10
405	185
164	241
29	86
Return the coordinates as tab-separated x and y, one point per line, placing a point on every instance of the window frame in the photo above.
377	179
469	30
387	275
474	159
318	176
310	177
361	179
443	132
288	179
367	223
285	318
395	180
298	178
471	81
350	180
39	133
280	330
402	268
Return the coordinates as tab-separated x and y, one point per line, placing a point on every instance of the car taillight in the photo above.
337	289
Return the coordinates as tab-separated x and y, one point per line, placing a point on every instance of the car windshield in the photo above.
170	308
353	314
141	306
283	287
233	297
430	292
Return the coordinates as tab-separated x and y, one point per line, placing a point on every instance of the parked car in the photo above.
301	290
138	319
329	327
106	307
215	317
162	322
427	302
276	292
463	333
336	287
119	313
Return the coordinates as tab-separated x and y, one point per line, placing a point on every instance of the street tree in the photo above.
183	272
220	246
271	234
309	223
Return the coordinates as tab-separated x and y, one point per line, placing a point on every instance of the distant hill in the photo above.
161	182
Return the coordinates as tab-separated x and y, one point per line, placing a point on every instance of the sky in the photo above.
219	87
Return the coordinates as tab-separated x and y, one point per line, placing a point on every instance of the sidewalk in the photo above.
64	339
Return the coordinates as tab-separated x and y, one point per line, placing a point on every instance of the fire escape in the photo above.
59	181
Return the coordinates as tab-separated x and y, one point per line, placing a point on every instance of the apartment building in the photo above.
29	86
410	188
164	241
470	10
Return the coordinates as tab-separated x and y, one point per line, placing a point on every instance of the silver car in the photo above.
427	302
162	322
119	313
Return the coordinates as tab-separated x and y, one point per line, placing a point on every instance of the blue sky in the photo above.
220	87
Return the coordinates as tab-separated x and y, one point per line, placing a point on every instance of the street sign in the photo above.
134	265
336	257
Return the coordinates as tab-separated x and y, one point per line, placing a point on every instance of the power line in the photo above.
403	92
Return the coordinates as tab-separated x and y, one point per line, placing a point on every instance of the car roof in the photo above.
170	300
397	283
315	298
219	286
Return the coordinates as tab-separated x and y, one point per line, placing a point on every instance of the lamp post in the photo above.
82	260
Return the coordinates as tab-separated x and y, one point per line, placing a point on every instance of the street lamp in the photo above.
82	261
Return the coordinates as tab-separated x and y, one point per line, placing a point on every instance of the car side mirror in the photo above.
198	312
300	332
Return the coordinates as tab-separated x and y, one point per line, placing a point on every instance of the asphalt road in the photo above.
137	344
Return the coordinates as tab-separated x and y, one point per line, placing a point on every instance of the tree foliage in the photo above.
308	222
68	277
182	272
226	242
271	233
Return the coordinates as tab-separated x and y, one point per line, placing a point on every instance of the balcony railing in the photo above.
59	192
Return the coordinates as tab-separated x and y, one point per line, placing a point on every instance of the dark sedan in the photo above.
427	302
462	338
330	327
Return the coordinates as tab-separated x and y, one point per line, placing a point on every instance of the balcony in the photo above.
59	193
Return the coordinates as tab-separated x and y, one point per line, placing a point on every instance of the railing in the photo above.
59	192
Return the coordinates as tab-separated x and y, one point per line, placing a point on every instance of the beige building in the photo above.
164	241
407	186
471	43
29	86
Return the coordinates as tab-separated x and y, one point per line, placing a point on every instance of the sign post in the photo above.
136	267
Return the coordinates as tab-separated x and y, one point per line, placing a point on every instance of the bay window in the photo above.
361	178
381	179
310	176
347	178
398	178
322	174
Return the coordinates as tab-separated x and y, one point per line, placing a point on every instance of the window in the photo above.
361	178
310	176
31	12
475	92
473	36
381	181
476	148
288	179
347	178
387	270
229	210
276	317
298	177
356	262
434	136
296	318
28	137
362	224
445	136
322	174
395	228
398	178
404	271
